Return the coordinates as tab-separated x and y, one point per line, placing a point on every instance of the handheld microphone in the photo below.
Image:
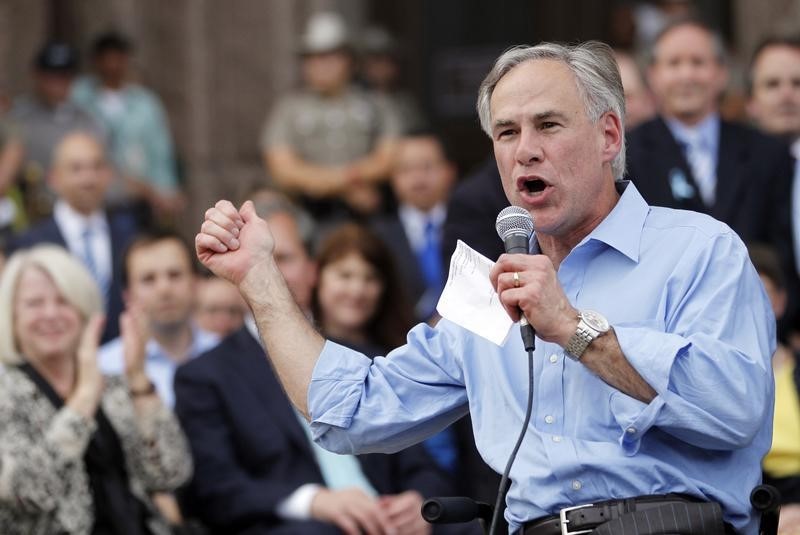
514	225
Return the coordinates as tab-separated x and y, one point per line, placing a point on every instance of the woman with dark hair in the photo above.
358	301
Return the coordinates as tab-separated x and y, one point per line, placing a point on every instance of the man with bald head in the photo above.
689	157
80	176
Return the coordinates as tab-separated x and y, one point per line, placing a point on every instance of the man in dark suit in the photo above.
688	157
256	469
80	176
421	179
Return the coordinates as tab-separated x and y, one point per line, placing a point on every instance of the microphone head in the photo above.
513	220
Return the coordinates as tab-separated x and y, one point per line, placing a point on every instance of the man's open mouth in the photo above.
534	185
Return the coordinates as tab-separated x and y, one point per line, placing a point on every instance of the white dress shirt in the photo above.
72	225
414	221
159	366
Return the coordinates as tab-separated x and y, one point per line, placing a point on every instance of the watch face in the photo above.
595	320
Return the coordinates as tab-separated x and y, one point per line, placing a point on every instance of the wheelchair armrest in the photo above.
766	499
454	509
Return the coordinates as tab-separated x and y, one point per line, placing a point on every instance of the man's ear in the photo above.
612	135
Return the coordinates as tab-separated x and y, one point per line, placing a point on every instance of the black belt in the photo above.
585	518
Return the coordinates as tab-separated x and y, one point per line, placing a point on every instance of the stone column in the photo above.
23	29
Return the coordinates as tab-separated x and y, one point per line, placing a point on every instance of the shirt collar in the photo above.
414	221
410	213
707	130
201	341
73	223
622	227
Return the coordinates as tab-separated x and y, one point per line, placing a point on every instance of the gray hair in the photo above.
71	278
596	77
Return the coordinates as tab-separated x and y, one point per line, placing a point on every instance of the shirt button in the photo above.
576	485
556	438
549	419
554	358
631	430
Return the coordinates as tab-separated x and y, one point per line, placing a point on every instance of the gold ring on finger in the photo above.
516	280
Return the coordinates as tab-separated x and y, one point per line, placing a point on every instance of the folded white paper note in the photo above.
469	299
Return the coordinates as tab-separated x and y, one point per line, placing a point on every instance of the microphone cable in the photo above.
514	225
498	506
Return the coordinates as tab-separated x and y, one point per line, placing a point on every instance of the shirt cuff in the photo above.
652	355
298	505
634	419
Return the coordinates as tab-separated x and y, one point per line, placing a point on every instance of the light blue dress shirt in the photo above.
158	366
691	317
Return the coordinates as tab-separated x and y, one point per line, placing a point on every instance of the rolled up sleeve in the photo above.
361	405
711	369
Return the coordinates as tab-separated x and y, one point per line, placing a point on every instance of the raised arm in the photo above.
238	246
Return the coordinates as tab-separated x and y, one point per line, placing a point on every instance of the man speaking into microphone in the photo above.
652	379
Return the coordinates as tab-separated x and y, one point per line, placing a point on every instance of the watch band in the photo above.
585	333
580	340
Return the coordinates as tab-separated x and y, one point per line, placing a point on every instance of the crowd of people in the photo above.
136	394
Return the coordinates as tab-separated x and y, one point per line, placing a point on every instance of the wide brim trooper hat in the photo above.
326	31
57	57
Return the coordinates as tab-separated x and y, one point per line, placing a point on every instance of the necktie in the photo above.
441	446
90	261
701	162
430	258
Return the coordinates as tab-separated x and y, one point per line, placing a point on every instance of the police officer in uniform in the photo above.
330	143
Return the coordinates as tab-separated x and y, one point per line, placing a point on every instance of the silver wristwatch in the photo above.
591	324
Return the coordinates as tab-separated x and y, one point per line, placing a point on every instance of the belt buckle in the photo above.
562	516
